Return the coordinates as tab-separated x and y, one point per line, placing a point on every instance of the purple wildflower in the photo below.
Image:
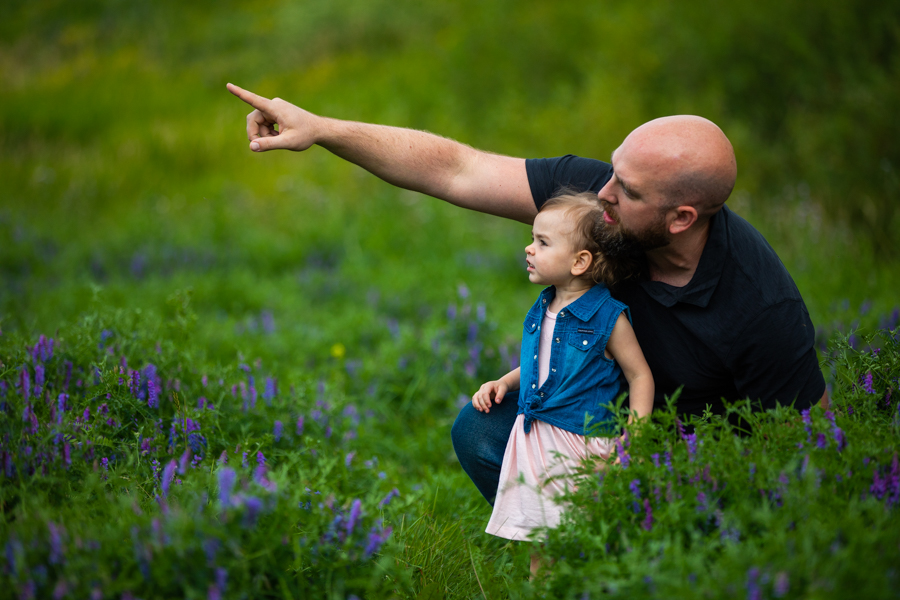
260	459
38	379
807	423
893	483
668	459
152	394
782	584
655	458
753	590
270	390
25	382
624	459
226	484
635	487
221	578
850	410
183	461
349	458
868	383
821	441
223	458
244	460
752	470
355	514
254	507
376	540
168	476
104	462
647	524
67	454
300	425
277	430
56	545
391	495
839	438
702	505
691	440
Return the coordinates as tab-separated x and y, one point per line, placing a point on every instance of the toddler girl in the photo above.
577	344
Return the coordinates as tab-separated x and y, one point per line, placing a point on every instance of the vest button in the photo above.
584	342
532	386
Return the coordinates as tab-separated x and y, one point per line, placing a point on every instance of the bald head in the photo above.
691	160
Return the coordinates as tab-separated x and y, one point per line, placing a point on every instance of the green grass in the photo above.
129	201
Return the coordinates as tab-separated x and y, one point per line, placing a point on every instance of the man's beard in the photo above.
618	242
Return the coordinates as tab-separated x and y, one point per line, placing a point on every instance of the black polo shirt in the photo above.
738	330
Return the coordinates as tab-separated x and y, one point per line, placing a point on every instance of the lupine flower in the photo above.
56	545
183	462
807	423
782	584
391	495
624	459
635	487
702	505
753	589
227	478
355	514
270	390
868	383
38	379
839	438
647	523
277	430
168	476
221	578
254	507
25	382
152	394
376	540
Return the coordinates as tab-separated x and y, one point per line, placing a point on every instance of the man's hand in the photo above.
296	127
488	392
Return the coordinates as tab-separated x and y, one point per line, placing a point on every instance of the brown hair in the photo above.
589	230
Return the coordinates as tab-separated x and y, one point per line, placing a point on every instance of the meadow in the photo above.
229	375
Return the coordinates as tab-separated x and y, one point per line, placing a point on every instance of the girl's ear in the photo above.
583	261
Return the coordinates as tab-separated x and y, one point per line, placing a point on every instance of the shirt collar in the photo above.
584	307
700	289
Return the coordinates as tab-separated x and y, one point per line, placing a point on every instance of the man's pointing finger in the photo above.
254	100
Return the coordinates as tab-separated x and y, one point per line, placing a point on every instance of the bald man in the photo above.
715	311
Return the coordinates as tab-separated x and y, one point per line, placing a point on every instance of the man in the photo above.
715	310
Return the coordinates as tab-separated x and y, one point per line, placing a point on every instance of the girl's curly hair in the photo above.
589	231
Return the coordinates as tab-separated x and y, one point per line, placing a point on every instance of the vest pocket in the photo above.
583	341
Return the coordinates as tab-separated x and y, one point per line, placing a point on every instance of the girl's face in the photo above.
550	256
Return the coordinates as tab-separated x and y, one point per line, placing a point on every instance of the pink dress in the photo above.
538	466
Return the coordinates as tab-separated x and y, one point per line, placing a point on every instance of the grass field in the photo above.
136	226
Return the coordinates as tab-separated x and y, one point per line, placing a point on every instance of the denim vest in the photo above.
582	382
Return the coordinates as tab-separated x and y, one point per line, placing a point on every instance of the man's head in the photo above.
669	175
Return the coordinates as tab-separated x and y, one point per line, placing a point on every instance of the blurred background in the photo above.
126	181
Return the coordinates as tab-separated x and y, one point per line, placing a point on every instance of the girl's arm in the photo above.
495	390
623	346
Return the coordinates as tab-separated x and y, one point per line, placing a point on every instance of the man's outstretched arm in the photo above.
414	160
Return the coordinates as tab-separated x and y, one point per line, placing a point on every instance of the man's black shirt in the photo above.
739	329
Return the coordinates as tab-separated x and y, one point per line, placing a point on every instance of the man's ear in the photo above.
583	262
685	217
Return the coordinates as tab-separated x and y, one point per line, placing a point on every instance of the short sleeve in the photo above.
547	176
774	360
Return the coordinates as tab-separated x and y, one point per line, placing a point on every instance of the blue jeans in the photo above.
479	440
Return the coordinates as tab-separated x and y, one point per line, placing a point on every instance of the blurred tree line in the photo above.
806	90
